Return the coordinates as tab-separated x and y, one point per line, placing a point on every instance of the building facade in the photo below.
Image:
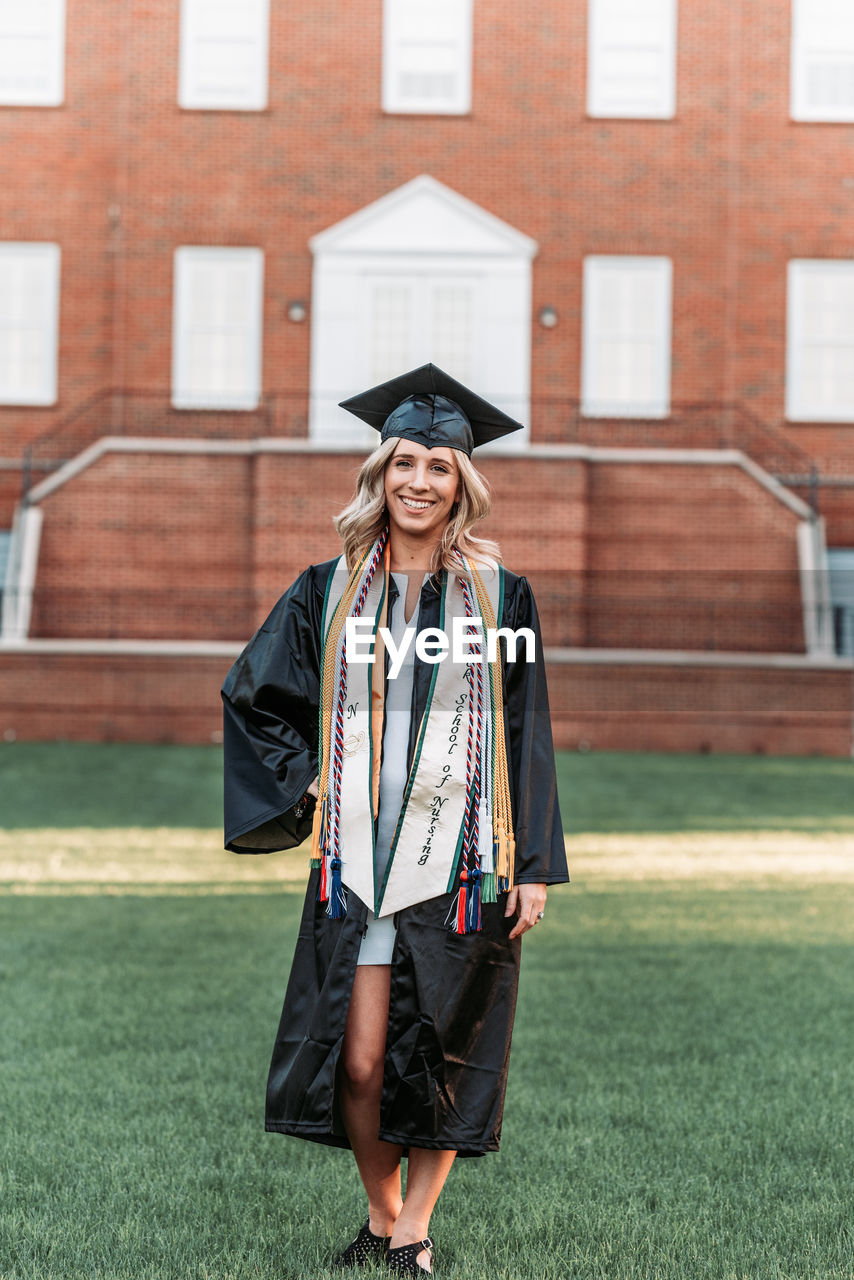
628	222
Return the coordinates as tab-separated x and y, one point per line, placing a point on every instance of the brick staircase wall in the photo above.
620	554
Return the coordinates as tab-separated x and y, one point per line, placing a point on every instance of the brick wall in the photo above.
92	698
134	698
10	493
696	556
200	545
730	189
147	545
778	711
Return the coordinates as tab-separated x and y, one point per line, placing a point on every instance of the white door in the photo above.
418	319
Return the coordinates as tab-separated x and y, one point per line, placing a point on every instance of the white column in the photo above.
815	588
21	573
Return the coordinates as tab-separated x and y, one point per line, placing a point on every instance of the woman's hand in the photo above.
527	900
312	788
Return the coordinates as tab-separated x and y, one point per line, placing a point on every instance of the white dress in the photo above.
378	942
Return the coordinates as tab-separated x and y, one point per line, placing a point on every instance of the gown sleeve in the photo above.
540	849
270	725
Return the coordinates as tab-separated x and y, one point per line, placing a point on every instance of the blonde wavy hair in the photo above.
365	516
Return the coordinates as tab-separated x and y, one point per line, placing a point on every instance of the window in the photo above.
822	70
224	54
29	321
420	275
216	334
820	340
841	573
32	53
625	364
427	53
5	545
631	58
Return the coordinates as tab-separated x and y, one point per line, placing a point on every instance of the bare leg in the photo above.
424	1181
363	1055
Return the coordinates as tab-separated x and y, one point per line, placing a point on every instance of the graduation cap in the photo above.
429	406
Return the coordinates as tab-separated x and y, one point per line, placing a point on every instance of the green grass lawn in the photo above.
681	1093
75	784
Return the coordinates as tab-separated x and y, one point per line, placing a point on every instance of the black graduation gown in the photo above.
453	996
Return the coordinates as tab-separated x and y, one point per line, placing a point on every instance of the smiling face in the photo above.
421	487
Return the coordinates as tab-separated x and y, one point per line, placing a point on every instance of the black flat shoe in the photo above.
364	1249
402	1261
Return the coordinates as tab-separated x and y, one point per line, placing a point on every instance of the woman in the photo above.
436	826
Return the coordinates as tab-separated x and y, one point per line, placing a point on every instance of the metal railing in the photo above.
131	412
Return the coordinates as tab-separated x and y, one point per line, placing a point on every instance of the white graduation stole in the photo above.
429	831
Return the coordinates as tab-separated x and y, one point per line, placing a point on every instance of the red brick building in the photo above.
631	224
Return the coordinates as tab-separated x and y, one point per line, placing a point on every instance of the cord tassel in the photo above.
337	900
322	891
319	831
461	904
473	904
319	839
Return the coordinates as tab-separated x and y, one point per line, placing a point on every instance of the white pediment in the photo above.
423	217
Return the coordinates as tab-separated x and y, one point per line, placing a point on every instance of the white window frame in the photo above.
800	107
183	395
190	96
798	409
593	403
53	92
598	38
45	391
396	103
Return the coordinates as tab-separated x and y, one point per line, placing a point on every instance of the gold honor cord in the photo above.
378	686
330	655
502	818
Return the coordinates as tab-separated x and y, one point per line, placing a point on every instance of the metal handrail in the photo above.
555	419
